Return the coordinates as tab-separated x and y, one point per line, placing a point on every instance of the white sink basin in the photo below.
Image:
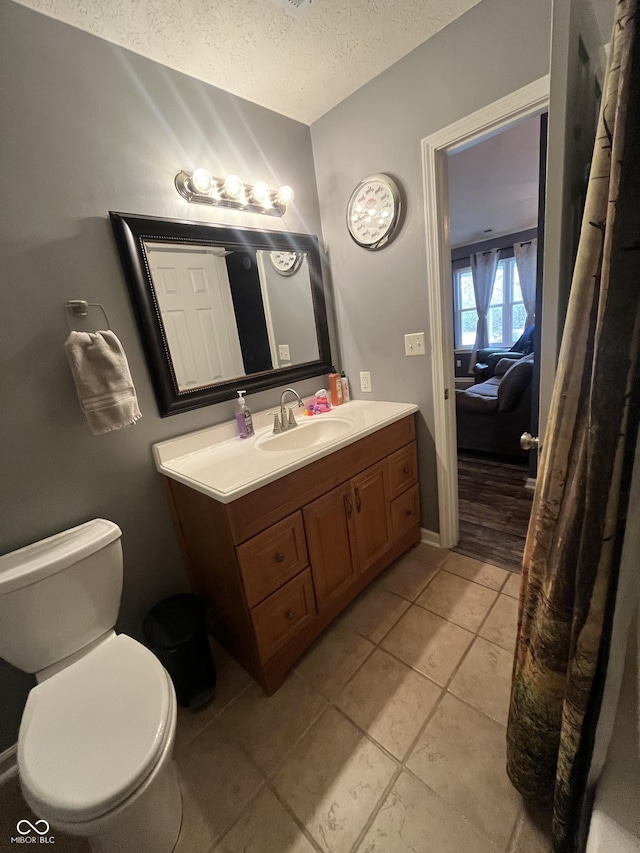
311	433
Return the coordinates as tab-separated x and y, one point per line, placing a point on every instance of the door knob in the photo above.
528	442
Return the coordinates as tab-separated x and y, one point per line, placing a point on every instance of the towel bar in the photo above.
79	308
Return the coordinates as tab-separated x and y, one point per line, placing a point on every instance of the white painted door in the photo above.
195	301
579	31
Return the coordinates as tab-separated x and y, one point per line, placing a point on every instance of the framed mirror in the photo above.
221	309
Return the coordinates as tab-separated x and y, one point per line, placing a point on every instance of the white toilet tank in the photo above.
59	594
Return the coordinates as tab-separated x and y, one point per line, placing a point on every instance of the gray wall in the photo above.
88	127
292	313
492	50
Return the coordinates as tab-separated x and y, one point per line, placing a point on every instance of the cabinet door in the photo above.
326	525
371	516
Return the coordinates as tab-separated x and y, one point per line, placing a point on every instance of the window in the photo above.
506	317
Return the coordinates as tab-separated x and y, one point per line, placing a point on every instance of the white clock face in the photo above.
286	263
373	211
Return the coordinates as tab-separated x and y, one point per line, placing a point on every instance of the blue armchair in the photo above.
485	366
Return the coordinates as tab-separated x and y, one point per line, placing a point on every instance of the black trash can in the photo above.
175	632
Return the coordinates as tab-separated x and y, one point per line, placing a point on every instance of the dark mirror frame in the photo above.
131	231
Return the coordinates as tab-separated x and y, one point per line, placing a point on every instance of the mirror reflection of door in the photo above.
228	313
194	295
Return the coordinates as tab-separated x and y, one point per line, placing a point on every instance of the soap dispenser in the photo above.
243	417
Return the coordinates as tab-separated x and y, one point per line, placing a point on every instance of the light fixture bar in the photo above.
231	192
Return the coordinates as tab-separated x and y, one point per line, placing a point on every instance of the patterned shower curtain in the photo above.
574	542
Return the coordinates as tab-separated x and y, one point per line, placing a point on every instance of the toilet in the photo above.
97	733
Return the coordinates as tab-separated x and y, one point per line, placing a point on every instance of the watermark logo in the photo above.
25	826
33	833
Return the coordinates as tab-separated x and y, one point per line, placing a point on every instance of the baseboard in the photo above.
530	485
430	537
8	764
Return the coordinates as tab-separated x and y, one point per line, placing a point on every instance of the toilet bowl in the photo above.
97	733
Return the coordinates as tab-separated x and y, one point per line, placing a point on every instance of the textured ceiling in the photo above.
300	63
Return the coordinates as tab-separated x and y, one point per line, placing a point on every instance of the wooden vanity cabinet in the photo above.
277	565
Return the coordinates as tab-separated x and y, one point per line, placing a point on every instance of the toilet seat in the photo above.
91	734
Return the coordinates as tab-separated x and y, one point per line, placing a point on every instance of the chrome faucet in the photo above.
287	419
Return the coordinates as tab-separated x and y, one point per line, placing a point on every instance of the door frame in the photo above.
528	101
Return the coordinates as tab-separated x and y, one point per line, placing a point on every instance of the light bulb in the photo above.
202	181
260	192
285	195
233	186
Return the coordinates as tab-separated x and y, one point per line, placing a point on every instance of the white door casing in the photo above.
530	100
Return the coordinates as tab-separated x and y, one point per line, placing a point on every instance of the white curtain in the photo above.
483	271
526	258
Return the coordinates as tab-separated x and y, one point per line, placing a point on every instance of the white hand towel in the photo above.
103	381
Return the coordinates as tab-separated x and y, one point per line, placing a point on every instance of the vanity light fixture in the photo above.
201	187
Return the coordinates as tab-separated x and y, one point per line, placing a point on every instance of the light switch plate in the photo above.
414	344
283	352
365	382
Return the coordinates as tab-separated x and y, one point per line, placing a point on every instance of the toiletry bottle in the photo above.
335	388
322	403
243	417
346	394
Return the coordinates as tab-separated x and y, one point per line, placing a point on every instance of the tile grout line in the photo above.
217	715
296	820
267	778
443	692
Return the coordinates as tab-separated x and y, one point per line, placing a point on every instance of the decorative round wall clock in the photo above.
373	212
286	263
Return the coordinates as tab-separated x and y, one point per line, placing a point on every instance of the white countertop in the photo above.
216	462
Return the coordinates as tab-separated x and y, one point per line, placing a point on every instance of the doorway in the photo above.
496	212
531	100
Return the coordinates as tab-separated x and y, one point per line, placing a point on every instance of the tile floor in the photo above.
388	737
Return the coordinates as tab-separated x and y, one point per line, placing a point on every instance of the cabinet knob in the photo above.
408	512
279	557
291	615
406	469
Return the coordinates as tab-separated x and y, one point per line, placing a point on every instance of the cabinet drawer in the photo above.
278	619
405	512
271	558
403	469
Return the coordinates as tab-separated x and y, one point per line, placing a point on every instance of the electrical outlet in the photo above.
414	344
283	352
365	381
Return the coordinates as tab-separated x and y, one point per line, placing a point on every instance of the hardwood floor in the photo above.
494	510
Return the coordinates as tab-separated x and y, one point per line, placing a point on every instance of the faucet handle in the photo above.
292	422
277	423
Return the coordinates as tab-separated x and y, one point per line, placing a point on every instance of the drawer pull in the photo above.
358	499
279	557
291	615
406	469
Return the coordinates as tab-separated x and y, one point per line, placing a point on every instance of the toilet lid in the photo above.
91	733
